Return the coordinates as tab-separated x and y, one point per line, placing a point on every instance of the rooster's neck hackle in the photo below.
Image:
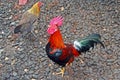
56	40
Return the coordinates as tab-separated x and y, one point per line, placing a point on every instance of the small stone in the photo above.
42	59
17	21
65	37
104	29
50	65
10	17
116	71
40	42
33	79
6	58
9	10
1	50
22	56
62	8
1	14
45	36
7	75
14	74
36	67
36	31
13	62
26	70
5	23
35	75
31	72
20	49
3	32
16	47
1	36
12	24
10	36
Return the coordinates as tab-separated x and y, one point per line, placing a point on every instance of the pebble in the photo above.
33	79
1	36
10	17
7	75
26	70
31	72
6	58
62	8
3	32
40	42
1	50
13	62
35	76
10	36
12	24
14	74
1	14
20	49
22	56
36	31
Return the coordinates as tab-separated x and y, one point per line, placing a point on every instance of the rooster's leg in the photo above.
62	71
81	61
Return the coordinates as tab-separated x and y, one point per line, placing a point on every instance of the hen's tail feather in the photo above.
17	29
88	42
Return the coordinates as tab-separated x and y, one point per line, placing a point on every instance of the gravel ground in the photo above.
28	60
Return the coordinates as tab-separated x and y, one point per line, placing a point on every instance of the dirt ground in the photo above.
27	60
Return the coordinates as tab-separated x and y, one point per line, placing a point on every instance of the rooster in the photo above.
28	20
63	53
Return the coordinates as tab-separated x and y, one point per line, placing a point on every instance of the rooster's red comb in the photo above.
57	21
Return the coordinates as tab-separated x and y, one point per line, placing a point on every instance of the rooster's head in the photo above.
54	24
